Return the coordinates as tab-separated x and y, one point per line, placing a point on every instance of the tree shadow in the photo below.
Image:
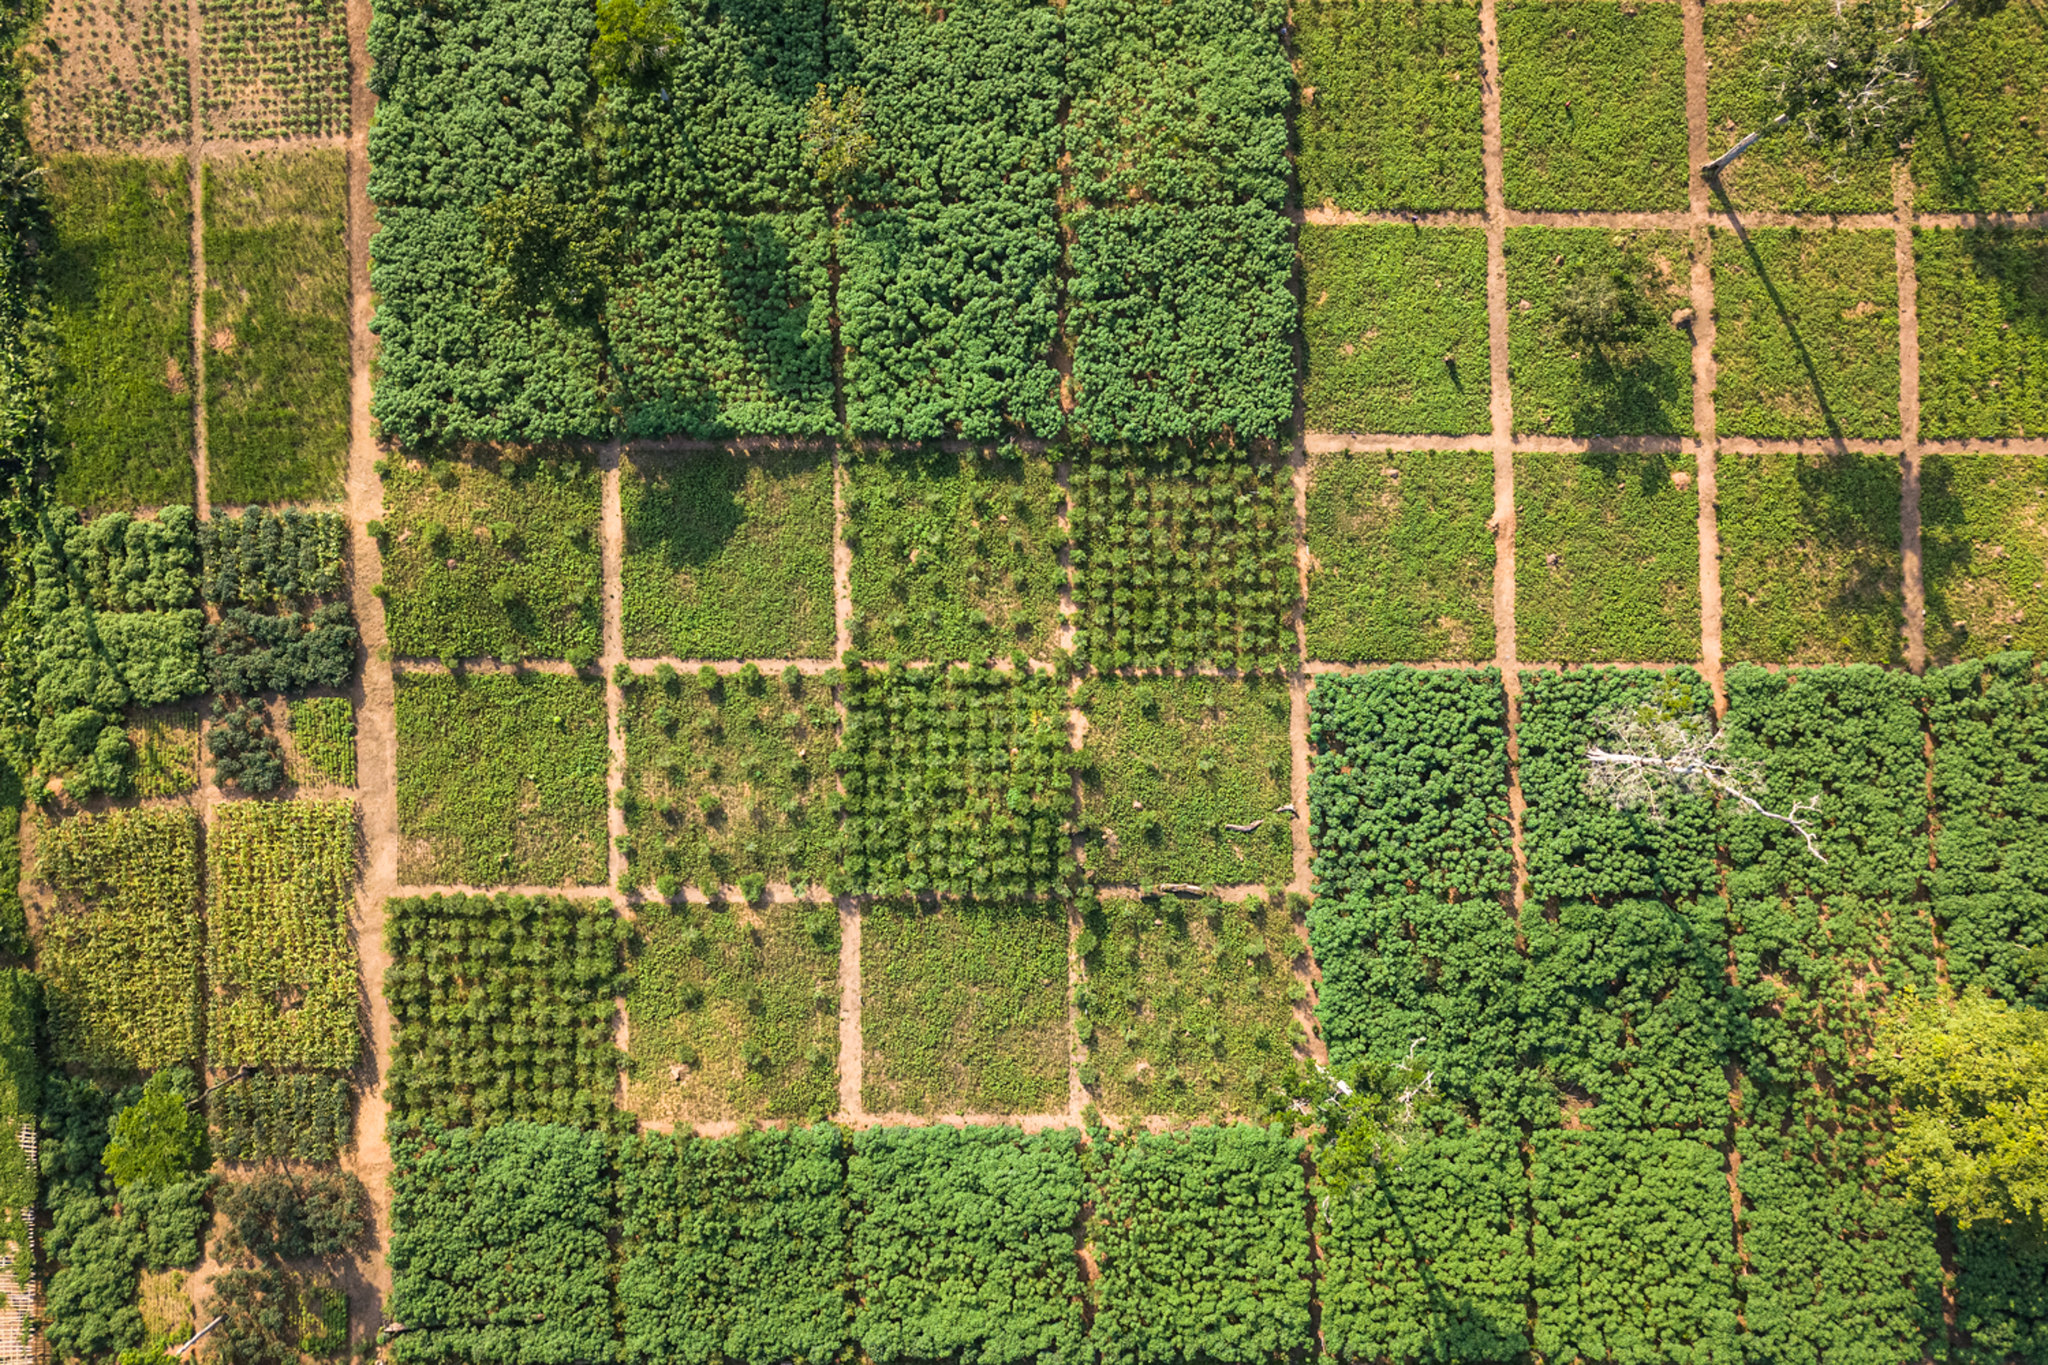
1617	393
1855	524
1799	347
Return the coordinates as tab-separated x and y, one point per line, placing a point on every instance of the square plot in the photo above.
492	557
1183	557
1390	96
120	281
323	741
1592	104
947	314
720	324
1607	558
1810	560
1395	323
732	1012
728	555
501	779
273	69
964	1007
277	317
1187	1006
1169	763
1984	552
1806	336
1178	102
1592	345
1983	307
955	556
1983	146
728	779
1401	555
1182	322
109	77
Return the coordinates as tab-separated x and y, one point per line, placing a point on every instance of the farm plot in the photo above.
324	741
294	1117
1985	146
109	76
1984	552
273	69
1983	332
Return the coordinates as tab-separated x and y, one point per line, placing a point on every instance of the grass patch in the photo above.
1810	562
1607	558
277	350
104	76
1393	120
955	556
1780	173
120	281
1395	321
1592	105
1188	1005
964	1007
1636	381
729	780
1984	143
1807	333
728	556
501	779
274	68
1168	762
1401	556
1983	333
324	740
492	559
166	753
733	1013
1984	553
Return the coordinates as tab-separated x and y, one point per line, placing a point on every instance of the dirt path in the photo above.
612	561
195	173
851	1059
1909	422
1698	153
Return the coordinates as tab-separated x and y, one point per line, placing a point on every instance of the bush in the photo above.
270	559
249	652
295	1117
245	753
280	1216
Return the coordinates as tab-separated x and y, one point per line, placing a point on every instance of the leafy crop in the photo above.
964	1007
1400	547
1394	321
104	77
296	1117
1984	558
1986	148
115	562
498	1246
246	755
733	1012
248	651
493	560
734	1250
1181	322
503	1009
1203	1248
119	957
272	559
955	555
324	739
956	780
1998	1289
472	749
268	1314
277	1215
273	68
1186	1009
166	754
728	555
963	1245
1390	96
280	878
1170	764
1982	325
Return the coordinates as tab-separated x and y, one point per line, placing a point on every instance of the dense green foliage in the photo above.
324	739
734	1250
282	1216
956	780
963	1245
297	1117
1983	556
1984	146
245	754
502	1007
1983	310
156	1140
270	1315
249	651
498	1246
269	559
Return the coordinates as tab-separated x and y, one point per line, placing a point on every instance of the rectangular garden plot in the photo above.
732	1012
293	1117
492	559
1592	341
1984	145
1188	1006
277	346
503	1010
501	779
120	280
1400	556
1607	557
273	68
1983	333
104	77
1395	323
964	1007
1984	552
323	747
729	780
728	555
955	555
1810	561
1169	764
1394	120
1183	556
1568	147
1807	333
